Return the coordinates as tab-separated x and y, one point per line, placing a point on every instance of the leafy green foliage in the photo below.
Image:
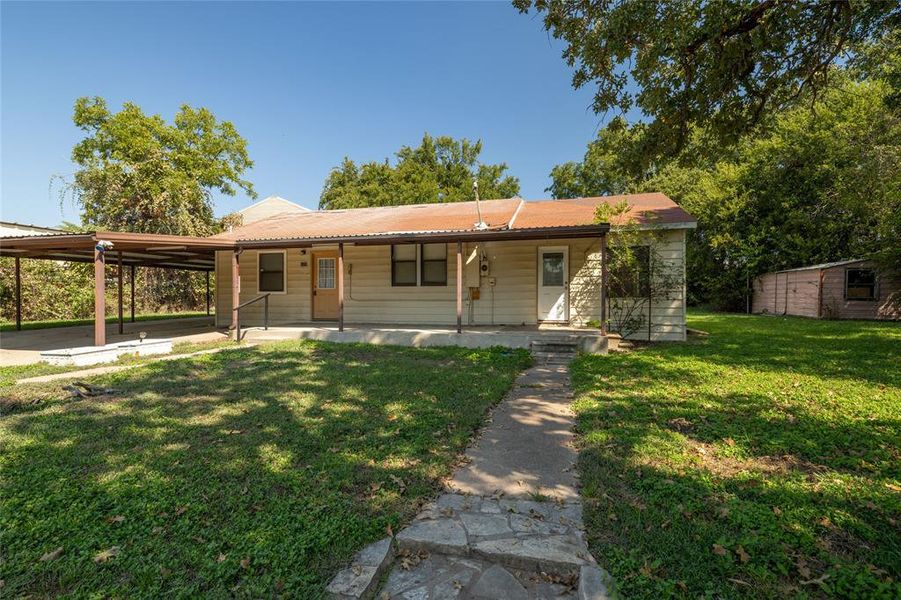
816	185
255	472
761	461
721	65
62	293
441	169
138	173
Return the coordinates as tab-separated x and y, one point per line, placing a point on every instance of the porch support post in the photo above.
121	282
236	290
340	287
604	284
18	295
99	298
132	303
207	293
459	287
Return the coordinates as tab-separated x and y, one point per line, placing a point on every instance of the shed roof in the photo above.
829	265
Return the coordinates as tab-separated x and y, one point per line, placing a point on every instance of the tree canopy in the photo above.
138	173
815	186
722	65
440	169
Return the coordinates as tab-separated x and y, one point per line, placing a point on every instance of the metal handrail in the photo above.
265	299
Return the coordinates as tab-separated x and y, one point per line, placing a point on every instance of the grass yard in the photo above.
10	374
253	472
762	461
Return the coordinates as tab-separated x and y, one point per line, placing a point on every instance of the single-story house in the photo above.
466	264
848	289
528	263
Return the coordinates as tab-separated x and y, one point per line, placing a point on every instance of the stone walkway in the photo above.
510	524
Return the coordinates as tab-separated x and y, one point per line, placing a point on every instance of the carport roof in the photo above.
139	249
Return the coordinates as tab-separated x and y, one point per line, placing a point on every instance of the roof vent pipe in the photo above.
481	225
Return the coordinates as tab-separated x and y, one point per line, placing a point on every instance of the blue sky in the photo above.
305	84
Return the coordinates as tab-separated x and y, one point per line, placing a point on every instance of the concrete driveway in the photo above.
25	347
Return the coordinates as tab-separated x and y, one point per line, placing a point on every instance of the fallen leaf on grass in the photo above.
104	555
742	555
389	530
245	563
729	441
398	482
221	557
739	582
52	555
116	519
719	550
777	511
165	572
180	510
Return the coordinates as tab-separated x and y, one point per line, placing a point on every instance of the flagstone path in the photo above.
509	525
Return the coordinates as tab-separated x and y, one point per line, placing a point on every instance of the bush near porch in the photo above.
254	472
761	461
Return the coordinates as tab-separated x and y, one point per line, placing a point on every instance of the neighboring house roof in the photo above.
12	229
829	265
268	207
511	215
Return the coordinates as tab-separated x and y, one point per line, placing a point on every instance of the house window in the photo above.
271	272
630	272
860	284
403	265
434	264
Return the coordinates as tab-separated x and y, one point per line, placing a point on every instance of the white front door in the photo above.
553	284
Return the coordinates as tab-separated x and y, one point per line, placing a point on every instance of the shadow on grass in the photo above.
254	472
738	467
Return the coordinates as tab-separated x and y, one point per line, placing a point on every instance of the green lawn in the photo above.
253	472
27	325
763	461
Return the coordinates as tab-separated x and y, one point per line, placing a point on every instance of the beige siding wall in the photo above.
370	297
791	293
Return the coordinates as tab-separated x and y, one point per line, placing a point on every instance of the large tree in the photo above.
817	185
136	172
722	64
440	169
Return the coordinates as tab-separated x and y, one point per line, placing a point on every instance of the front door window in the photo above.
326	273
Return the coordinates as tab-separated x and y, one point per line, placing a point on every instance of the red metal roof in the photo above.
509	214
646	209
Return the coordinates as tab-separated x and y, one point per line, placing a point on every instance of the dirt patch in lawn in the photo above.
728	466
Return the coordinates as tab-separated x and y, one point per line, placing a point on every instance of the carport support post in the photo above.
132	304
459	287
236	291
99	298
604	284
340	287
121	282
18	295
207	293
